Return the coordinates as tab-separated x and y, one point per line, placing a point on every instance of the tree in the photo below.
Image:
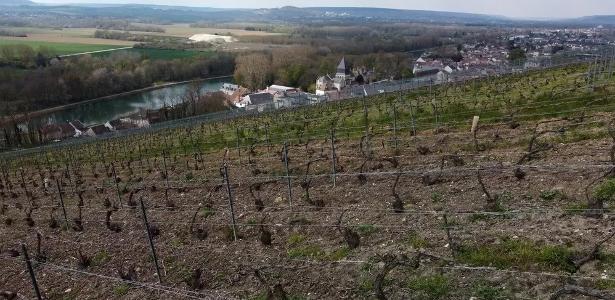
253	70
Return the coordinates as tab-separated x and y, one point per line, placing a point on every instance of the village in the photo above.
539	49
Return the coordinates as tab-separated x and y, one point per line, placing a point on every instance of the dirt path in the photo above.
97	51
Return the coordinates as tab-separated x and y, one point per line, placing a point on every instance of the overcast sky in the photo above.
511	8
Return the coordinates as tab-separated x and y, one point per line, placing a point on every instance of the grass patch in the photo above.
416	241
101	258
298	249
338	254
295	239
576	208
605	191
307	251
430	287
606	259
521	254
551	195
121	290
366	229
164	54
486	291
59	48
263	296
478	217
436	197
206	212
603	284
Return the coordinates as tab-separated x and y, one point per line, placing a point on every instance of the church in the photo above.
343	78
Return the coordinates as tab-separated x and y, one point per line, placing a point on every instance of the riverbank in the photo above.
38	113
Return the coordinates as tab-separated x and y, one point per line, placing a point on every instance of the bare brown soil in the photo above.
303	227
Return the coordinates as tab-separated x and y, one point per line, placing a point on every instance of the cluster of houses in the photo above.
478	60
75	128
546	42
273	97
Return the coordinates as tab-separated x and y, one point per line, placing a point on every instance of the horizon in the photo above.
521	9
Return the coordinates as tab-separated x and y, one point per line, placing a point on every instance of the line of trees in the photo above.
301	66
24	56
87	77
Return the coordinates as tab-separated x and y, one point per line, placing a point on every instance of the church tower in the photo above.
342	75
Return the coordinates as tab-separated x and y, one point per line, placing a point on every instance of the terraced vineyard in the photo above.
399	196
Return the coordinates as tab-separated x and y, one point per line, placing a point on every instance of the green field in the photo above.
59	48
164	54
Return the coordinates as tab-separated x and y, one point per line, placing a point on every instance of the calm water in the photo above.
106	110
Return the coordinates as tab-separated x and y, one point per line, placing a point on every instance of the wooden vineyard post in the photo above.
26	257
395	126
151	241
412	118
117	186
366	121
434	104
238	148
333	158
62	202
166	177
140	157
449	238
267	137
230	200
23	182
288	179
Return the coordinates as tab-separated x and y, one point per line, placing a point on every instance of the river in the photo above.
99	112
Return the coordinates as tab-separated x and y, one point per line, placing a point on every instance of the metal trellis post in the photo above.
151	241
31	271
230	200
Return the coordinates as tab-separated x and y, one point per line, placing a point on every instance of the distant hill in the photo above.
369	13
594	20
15	2
299	15
296	15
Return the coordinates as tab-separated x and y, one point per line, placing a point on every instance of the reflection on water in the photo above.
103	111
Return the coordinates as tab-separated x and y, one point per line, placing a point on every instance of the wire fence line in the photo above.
208	295
359	129
325	210
448	266
324	147
198	182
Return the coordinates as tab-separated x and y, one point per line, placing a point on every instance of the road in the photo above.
92	52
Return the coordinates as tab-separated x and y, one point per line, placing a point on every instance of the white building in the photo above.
229	88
